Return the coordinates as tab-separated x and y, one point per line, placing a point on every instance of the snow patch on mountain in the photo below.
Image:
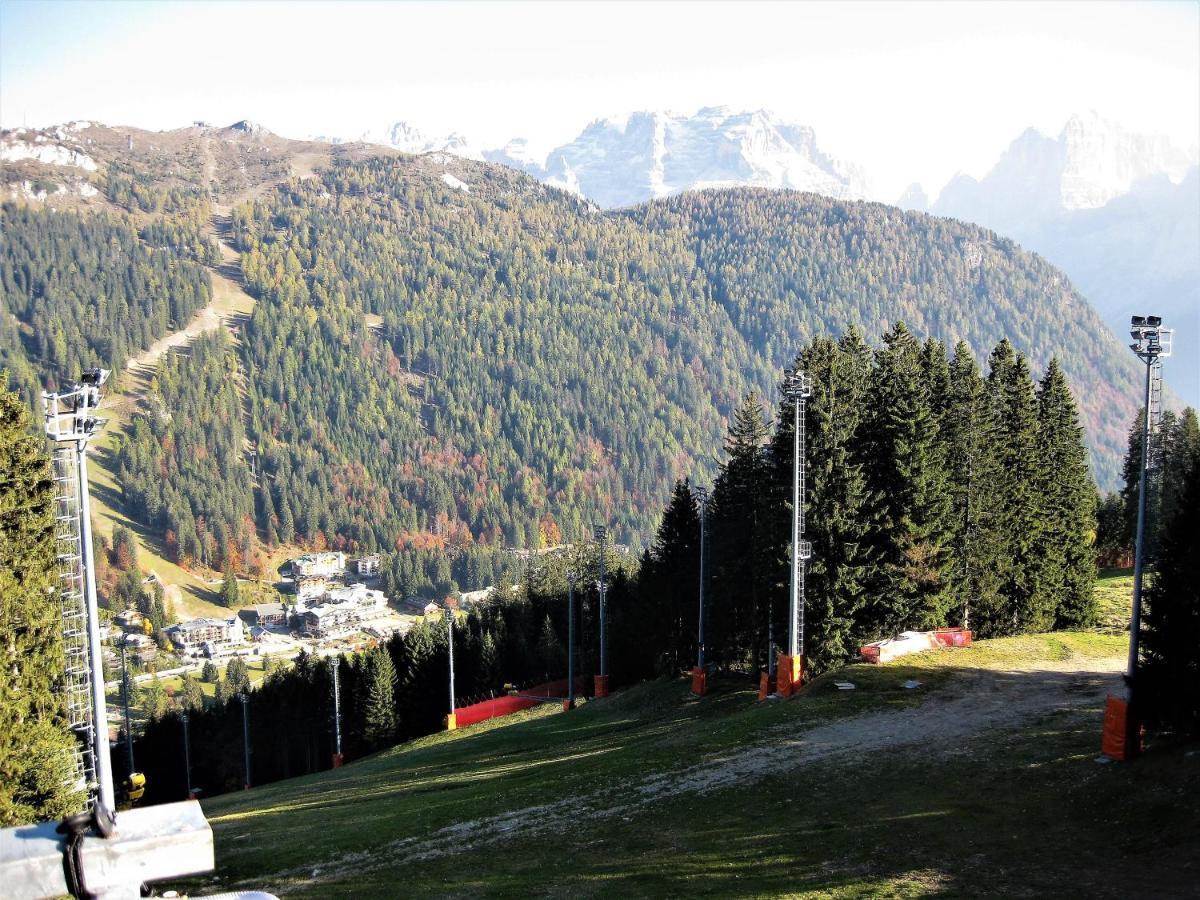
50	154
456	183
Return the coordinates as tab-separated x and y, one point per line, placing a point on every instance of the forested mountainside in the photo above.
789	267
79	290
445	353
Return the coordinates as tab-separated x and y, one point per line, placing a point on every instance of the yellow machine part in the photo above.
135	786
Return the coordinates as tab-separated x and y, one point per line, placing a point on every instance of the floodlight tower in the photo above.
797	387
1151	343
245	698
338	759
699	676
71	422
187	755
572	577
600	532
125	703
452	718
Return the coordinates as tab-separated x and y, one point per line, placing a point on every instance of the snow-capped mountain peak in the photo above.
653	153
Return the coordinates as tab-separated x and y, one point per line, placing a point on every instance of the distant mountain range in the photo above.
651	154
1118	211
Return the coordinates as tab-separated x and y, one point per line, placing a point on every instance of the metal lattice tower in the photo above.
1151	343
797	387
1155	411
71	422
68	553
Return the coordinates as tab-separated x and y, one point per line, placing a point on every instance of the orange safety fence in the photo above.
511	703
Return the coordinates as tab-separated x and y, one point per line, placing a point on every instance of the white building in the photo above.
329	563
342	610
367	565
207	635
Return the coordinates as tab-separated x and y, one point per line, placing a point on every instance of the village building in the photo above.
342	610
207	636
264	614
367	565
467	599
331	563
129	620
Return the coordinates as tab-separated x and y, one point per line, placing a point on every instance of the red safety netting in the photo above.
511	703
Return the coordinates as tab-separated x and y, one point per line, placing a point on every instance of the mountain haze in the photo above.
1119	212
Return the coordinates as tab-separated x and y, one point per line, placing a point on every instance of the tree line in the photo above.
937	495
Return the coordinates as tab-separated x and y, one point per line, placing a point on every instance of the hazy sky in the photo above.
909	91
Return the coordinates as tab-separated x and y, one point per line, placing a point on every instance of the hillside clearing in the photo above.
879	790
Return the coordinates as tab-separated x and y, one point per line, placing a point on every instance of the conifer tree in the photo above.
36	764
908	480
1064	558
379	709
1013	407
550	650
1168	686
192	697
1180	442
737	511
669	581
229	588
971	463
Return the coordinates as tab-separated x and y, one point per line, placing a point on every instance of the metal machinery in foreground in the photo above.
600	532
95	853
1122	729
789	675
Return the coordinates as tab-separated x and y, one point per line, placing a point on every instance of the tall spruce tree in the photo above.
738	510
379	707
1065	558
1013	406
669	581
971	463
907	477
1180	442
1168	686
36	763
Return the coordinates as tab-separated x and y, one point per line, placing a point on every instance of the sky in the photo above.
910	91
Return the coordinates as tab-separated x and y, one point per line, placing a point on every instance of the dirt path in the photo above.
977	701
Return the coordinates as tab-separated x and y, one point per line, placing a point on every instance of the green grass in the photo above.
1114	599
1013	812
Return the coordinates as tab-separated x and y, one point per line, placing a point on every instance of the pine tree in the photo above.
550	649
237	677
379	710
1013	408
1180	442
1064	557
1168	686
668	582
35	746
971	461
905	465
191	696
738	593
229	589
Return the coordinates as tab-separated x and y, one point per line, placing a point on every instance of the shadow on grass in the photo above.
606	750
